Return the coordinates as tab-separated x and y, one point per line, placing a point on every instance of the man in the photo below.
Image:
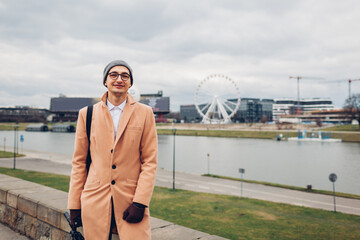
123	144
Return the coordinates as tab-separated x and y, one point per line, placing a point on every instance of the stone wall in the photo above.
36	211
33	210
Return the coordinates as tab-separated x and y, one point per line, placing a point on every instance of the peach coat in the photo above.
123	168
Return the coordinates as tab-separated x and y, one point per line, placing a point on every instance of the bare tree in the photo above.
352	105
264	119
318	122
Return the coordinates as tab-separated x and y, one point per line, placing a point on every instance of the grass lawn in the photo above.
352	128
338	194
231	217
226	133
4	154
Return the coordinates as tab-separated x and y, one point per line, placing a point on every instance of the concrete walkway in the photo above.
8	234
38	161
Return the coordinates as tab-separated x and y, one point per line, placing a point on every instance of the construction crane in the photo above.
298	86
351	80
342	81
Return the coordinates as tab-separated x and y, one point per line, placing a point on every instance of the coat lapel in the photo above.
125	116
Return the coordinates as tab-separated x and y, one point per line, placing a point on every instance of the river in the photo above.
287	162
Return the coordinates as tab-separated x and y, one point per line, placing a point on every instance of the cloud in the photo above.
52	47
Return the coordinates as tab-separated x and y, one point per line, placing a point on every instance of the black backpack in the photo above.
88	128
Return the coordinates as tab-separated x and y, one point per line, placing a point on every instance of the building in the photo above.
23	114
159	104
290	106
338	116
254	110
189	113
64	109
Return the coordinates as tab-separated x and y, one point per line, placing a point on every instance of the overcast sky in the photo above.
52	47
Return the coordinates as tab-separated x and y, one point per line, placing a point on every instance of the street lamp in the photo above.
208	158
241	171
174	133
16	126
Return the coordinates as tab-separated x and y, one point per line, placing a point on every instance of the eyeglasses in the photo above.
115	75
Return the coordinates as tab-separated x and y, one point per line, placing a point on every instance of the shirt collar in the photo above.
111	106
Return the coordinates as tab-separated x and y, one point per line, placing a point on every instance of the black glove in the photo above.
75	217
134	213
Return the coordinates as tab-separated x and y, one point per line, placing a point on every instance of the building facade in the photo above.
290	106
23	114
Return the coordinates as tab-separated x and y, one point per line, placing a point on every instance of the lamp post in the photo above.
15	143
208	158
174	133
241	171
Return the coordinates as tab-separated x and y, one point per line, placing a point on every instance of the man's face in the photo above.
118	86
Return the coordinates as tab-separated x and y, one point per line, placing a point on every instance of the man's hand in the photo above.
134	213
75	217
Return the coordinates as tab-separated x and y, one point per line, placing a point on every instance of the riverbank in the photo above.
259	134
348	133
232	217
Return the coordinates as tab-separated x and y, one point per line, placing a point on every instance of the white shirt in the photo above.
115	112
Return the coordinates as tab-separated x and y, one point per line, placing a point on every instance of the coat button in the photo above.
113	166
111	150
113	182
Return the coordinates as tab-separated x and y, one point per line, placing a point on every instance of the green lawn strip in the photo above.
23	125
352	128
56	181
226	133
4	154
229	216
338	194
236	218
10	126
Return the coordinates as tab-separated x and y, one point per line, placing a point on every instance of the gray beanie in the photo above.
117	63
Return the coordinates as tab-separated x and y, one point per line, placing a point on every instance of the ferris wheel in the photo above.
217	99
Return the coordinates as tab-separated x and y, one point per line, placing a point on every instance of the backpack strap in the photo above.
88	128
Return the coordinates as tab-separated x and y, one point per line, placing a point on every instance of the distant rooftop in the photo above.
70	104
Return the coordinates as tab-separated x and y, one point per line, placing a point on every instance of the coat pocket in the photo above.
131	182
91	185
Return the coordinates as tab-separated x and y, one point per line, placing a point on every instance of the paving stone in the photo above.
27	205
31	224
43	231
57	234
12	200
19	222
20	184
159	223
212	237
3	195
7	233
176	232
49	215
46	196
